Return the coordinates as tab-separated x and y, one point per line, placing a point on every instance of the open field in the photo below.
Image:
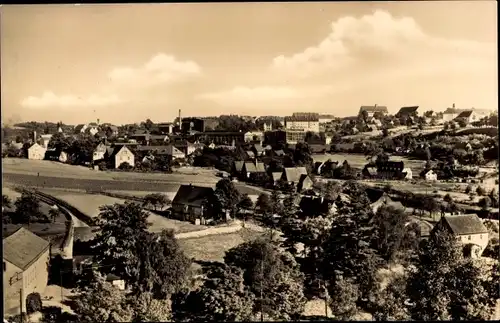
213	248
56	175
359	160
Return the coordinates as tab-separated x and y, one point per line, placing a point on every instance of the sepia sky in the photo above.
125	63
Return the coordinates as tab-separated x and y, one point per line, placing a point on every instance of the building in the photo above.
166	128
121	154
175	153
56	155
193	203
407	112
111	131
372	109
238	167
379	198
25	268
254	136
302	123
257	149
325	118
36	152
99	152
220	137
391	170
295	136
80	128
408	174
276	177
189	125
275	137
429	175
250	169
46	140
451	113
298	177
468	229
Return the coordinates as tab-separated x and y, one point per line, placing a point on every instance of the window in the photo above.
469	237
481	236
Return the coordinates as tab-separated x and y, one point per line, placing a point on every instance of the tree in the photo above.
462	122
484	203
6	202
148	124
102	302
227	195
222	297
272	274
156	200
468	189
263	203
28	208
146	308
245	204
480	191
344	295
385	132
33	303
445	285
389	303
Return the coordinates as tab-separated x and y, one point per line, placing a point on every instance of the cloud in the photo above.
50	100
161	68
382	38
242	94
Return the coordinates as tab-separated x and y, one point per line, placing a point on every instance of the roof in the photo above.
279	152
79	127
465	114
373	108
276	176
293	174
23	247
171	150
250	153
258	148
192	195
454	111
465	224
116	150
302	118
374	194
254	168
238	165
407	110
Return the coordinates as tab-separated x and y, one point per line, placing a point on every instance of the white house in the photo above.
99	152
36	152
303	123
408	172
430	175
121	154
253	136
174	152
469	230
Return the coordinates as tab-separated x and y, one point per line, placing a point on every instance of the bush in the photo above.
33	303
125	166
480	191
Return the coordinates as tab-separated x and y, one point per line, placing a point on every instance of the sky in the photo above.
125	63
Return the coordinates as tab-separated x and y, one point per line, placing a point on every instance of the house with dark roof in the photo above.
468	229
251	168
257	149
469	116
407	112
238	166
26	259
193	203
372	109
379	198
391	170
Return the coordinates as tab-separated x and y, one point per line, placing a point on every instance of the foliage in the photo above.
28	208
146	308
222	297
389	302
344	294
227	195
263	203
6	201
102	302
54	213
272	273
480	191
125	166
33	303
156	200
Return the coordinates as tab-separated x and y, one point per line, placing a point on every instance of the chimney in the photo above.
375	105
453	106
97	121
180	119
34	136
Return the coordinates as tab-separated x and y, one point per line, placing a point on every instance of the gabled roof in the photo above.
407	110
465	224
254	168
373	108
171	150
79	127
276	176
35	145
293	174
465	114
260	167
192	195
258	148
238	165
116	150
23	247
250	153
374	194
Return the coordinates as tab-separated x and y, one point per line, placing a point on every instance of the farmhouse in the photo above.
175	153
250	169
468	229
99	152
121	154
25	268
276	176
298	177
407	112
36	152
371	110
379	198
193	203
429	175
238	166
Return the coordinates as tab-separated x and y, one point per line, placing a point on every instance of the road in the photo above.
107	184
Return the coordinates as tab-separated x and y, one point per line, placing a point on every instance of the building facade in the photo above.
304	123
36	152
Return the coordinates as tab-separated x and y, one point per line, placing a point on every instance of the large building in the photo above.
192	124
26	259
372	109
220	137
302	122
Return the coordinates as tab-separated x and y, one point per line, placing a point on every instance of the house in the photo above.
36	152
407	173
250	169
468	229
166	127
254	136
92	128
257	149
193	203
429	175
56	155
238	166
250	154
372	109
407	112
317	167
175	153
80	128
391	170
302	123
451	113
116	281
279	153
111	131
45	140
25	268
121	154
298	177
275	177
379	198
468	116
99	152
